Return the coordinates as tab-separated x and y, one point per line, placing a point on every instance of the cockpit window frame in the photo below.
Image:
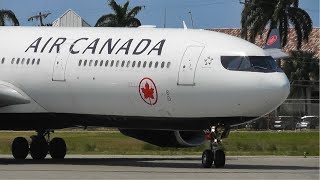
264	64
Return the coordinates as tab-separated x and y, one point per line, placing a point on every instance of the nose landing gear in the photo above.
39	147
215	154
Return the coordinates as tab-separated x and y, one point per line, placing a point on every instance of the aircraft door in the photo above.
188	65
60	65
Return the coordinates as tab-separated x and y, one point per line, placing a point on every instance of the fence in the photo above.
287	116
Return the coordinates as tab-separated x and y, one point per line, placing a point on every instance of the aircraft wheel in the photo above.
219	158
57	148
207	158
20	148
38	147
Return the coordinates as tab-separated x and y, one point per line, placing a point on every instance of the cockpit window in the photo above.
249	63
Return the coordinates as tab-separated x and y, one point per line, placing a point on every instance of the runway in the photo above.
158	167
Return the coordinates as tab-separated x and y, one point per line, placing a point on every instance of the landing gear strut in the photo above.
39	147
215	154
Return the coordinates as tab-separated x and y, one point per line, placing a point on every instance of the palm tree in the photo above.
8	15
123	16
281	14
40	17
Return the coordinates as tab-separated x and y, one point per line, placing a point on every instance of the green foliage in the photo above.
40	17
281	14
272	143
301	66
8	15
272	147
122	16
90	147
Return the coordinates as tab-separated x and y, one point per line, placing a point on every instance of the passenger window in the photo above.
144	64
150	64
2	60
33	60
128	64
18	60
80	62
12	61
117	64
22	61
139	64
38	62
28	61
106	64
122	64
168	64
96	63
156	65
112	62
101	63
85	63
133	64
162	64
91	62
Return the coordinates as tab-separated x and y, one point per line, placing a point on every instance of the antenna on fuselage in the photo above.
184	25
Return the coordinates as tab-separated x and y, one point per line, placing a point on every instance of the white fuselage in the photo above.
188	78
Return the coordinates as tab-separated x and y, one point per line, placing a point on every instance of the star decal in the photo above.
208	61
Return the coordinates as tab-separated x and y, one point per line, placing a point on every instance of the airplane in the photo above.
167	87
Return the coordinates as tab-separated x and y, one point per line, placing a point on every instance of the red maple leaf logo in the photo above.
272	40
147	91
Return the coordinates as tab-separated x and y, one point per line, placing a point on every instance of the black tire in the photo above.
39	148
57	148
20	148
219	158
207	158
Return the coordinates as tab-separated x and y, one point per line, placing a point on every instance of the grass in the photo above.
238	143
273	143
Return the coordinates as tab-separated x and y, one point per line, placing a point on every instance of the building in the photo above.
70	19
312	46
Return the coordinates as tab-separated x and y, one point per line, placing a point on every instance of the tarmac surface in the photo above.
158	167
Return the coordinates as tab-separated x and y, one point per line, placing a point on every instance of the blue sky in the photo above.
205	13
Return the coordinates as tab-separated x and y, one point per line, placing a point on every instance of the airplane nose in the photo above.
284	86
278	87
